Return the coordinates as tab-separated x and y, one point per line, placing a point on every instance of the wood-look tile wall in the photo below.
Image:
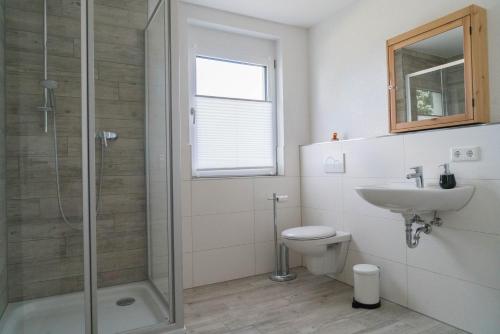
3	215
45	256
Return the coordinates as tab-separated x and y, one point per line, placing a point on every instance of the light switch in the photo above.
334	163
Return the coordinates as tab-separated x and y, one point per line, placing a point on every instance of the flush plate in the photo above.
334	163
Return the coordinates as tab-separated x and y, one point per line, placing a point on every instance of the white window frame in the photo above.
269	63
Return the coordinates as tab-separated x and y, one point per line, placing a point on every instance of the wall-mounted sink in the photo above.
408	199
415	203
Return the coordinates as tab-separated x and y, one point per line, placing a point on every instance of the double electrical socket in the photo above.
469	153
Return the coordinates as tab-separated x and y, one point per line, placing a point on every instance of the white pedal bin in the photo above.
366	286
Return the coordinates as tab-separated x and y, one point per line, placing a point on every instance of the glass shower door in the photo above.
158	155
41	193
132	188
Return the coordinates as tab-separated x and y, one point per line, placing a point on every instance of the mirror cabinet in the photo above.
438	73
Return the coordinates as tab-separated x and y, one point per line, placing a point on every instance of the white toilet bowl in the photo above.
324	249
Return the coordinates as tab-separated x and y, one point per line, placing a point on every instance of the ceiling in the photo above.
304	13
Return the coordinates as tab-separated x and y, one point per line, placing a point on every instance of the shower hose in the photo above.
52	103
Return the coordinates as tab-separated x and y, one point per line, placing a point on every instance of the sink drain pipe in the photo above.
412	239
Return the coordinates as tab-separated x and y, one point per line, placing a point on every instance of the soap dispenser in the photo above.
447	180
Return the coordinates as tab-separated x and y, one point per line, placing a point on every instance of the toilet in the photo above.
324	249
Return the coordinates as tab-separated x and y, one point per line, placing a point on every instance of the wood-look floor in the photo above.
310	304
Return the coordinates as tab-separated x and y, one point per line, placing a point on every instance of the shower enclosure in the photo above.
89	175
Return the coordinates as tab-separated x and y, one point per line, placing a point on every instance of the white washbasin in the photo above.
407	198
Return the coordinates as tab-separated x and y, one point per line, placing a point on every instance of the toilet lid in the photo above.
308	233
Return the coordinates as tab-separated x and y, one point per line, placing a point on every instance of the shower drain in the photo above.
125	301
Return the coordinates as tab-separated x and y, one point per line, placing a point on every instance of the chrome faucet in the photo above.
418	176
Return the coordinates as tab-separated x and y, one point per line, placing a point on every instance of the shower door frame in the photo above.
88	165
176	304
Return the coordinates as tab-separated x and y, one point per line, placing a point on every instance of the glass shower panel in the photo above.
41	234
132	266
157	155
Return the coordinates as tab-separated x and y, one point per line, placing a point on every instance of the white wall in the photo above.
227	222
454	274
348	62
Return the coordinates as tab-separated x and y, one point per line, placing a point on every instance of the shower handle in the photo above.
45	111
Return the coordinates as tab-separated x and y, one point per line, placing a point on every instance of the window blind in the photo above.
233	137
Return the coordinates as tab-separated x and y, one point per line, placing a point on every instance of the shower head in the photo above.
49	84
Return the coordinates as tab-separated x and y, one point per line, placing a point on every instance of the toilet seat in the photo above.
309	233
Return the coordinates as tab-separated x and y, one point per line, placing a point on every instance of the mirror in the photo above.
430	78
431	74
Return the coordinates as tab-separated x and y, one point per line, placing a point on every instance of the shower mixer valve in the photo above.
107	136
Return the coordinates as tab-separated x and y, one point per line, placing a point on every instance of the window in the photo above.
233	119
222	78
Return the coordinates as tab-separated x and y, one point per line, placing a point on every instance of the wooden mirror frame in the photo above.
473	21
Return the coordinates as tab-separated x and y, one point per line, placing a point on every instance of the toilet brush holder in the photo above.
281	272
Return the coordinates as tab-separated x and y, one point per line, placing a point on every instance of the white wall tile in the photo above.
264	257
186	198
187	235
482	309
377	236
187	268
376	157
292	160
223	230
465	255
223	264
264	226
354	203
313	156
186	162
224	217
431	149
323	218
460	258
482	212
310	160
266	186
222	196
459	303
322	193
393	283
